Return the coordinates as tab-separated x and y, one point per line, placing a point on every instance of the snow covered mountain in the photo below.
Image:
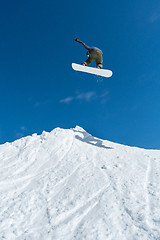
68	185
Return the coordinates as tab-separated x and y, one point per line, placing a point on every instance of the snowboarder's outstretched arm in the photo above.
83	44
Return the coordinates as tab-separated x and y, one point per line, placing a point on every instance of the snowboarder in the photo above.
93	54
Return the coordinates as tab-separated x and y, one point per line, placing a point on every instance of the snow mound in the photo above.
69	185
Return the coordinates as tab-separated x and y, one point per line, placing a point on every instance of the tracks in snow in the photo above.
153	195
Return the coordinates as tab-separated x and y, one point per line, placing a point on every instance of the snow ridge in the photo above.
67	184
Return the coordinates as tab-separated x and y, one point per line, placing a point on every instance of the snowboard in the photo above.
96	71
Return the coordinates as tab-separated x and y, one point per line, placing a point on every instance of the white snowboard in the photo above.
100	72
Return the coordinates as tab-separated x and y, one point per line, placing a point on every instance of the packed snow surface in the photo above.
68	185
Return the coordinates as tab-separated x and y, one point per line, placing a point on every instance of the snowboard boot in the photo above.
98	67
84	64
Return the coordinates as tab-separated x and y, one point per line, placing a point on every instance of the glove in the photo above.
76	39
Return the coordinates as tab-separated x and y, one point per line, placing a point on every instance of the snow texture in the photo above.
68	185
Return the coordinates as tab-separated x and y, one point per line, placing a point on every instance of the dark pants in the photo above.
97	56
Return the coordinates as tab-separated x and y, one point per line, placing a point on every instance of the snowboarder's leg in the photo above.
89	60
95	55
99	59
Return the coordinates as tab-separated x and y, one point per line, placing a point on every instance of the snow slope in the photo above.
68	185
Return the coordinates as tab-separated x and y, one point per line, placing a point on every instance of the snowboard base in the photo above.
96	71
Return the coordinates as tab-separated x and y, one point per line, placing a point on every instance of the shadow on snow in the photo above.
87	138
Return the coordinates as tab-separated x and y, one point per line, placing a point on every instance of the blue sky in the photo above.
40	91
